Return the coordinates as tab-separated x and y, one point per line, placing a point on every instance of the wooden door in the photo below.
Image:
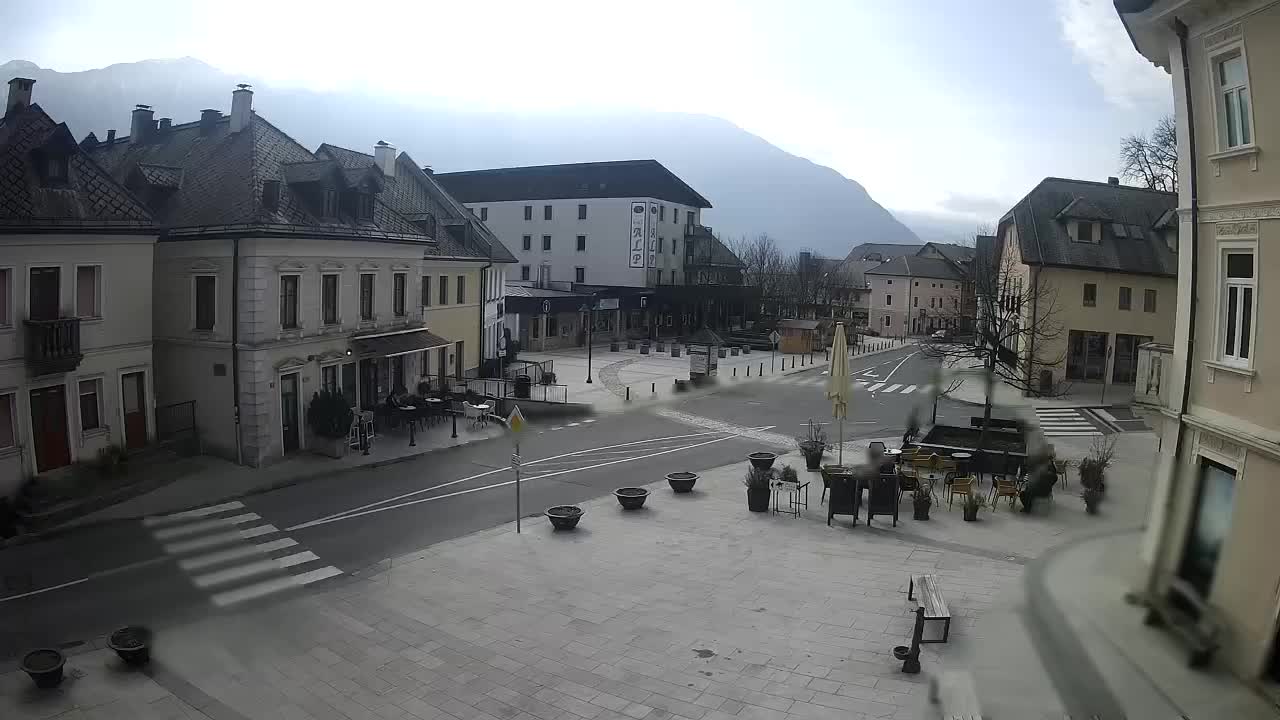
133	400
368	384
45	290
49	428
289	411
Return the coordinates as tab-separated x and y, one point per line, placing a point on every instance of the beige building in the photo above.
281	271
1098	261
916	294
1211	521
75	301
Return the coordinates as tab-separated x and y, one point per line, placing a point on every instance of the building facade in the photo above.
931	289
76	365
1209	386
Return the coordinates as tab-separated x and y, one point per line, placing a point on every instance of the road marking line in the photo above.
892	388
1072	434
889	377
274	585
217	558
875	387
861	383
260	567
44	590
209	541
195	528
908	389
191	514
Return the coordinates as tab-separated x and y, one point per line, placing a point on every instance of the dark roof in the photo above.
800	324
399	343
616	179
984	258
913	266
90	197
882	251
709	250
1129	216
958	254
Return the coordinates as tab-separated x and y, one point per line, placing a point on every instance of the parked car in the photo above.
943	335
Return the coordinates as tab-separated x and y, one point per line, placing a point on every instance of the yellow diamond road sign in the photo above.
515	421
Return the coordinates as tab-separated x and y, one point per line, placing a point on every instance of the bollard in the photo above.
748	371
760	372
628	393
735	372
653	387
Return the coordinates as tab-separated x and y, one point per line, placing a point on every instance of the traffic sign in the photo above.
774	337
516	421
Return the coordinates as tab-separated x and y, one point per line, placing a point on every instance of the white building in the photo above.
75	301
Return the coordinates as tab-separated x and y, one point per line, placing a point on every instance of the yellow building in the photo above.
1211	522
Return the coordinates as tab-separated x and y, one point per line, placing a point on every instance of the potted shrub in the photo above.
973	502
757	481
762	460
330	419
813	444
564	517
682	482
920	504
44	666
132	643
1091	497
1040	481
548	378
631	498
1093	467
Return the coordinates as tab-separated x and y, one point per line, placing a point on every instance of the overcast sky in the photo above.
950	109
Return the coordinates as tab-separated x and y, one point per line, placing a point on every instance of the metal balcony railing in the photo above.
53	346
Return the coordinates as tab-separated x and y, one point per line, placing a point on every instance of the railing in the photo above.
176	426
1155	375
502	389
53	346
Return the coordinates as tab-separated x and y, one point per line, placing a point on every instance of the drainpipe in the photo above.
235	345
484	302
1180	29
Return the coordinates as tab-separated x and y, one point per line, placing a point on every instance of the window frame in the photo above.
1217	55
13	421
336	368
526	272
484	214
442	292
462	289
1223	289
1123	301
6	298
546	213
372	306
528	213
297	292
337	299
1085	298
1151	295
526	243
98	294
399	294
546	243
195	302
580	274
97	384
330	203
424	292
888	300
581	243
582	211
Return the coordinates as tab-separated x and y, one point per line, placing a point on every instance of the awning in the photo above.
401	343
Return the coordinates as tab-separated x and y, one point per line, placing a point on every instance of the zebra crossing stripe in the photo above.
261	567
195	528
893	388
224	556
909	389
191	514
266	587
876	387
209	541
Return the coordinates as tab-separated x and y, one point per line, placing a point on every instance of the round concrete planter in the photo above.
631	498
44	666
682	482
564	517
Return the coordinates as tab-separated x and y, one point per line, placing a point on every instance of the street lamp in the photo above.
590	310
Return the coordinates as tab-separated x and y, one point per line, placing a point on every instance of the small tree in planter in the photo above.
920	504
757	482
1092	497
1093	467
330	419
973	502
813	444
1041	478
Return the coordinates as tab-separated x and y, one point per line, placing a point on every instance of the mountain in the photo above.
754	186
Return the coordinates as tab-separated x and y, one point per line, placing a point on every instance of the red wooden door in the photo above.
49	428
133	394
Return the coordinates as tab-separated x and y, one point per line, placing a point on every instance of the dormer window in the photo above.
56	169
364	206
329	205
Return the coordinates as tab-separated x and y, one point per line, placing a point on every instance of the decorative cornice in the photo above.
201	265
331	266
1243	228
366	265
331	355
290	363
1242	212
290	265
1223	36
402	267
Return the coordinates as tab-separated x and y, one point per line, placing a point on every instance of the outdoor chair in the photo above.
1061	467
960	485
1004	486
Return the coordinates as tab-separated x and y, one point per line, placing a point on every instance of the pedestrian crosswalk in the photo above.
815	380
1065	422
234	554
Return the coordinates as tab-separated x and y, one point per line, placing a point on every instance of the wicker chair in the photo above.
960	485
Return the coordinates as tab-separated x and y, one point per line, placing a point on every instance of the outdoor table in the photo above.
484	409
962	462
410	412
435	408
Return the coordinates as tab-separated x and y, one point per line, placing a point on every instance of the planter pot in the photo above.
812	451
644	349
675	351
631	344
746	349
613	347
970	515
758	499
132	644
662	347
762	460
920	513
564	517
722	352
733	352
44	666
330	447
631	498
682	482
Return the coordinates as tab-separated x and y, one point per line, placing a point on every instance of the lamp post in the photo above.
454	415
590	309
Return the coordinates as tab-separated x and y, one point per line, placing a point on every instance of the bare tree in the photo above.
1152	160
764	265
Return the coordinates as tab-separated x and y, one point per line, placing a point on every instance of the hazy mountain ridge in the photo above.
753	185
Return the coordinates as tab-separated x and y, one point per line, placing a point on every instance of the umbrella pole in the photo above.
841	461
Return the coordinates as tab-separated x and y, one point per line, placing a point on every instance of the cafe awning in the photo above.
399	343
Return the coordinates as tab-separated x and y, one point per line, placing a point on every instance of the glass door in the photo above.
1209	525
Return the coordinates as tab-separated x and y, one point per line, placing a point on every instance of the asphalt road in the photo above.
85	583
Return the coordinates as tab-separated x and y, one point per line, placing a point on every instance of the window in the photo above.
1149	301
931	301
6	294
546	243
524	272
8	438
688	218
484	214
957	286
1126	298
662	245
349	383
1232	81
955	303
582	243
886	321
582	212
91	404
1237	306
1090	295
88	291
673	277
270	194
662	213
206	298
917	283
1086	355
546	212
579	274
528	212
526	242
1084	232
462	289
444	290
56	169
366	296
329	378
289	301
329	205
888	301
397	372
364	206
915	301
398	281
426	291
890	282
673	245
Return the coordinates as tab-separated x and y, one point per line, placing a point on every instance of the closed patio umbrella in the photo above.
838	382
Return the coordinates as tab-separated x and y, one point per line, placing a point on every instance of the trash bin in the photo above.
523	384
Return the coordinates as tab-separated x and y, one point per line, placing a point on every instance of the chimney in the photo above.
384	156
1113	181
428	170
208	117
241	105
141	125
19	95
166	124
111	135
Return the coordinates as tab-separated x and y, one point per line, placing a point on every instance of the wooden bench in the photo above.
935	606
1190	618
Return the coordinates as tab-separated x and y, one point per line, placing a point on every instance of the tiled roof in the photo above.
958	254
884	251
161	176
984	257
1129	241
89	198
616	179
912	266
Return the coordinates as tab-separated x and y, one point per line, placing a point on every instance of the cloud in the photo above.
983	207
1093	30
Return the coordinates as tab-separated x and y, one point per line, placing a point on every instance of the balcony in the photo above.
1155	375
53	346
691	230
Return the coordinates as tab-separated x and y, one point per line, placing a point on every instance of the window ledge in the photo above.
1251	151
95	432
1226	367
